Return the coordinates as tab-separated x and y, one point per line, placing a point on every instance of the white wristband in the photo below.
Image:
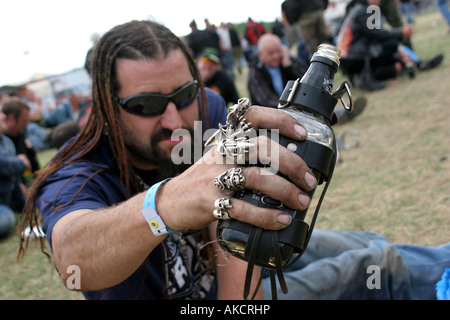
149	211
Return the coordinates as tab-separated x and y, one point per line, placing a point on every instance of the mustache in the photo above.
167	133
161	133
165	165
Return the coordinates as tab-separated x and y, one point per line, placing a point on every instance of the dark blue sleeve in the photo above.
217	109
11	165
102	190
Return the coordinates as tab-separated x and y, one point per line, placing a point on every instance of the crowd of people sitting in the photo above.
25	130
370	55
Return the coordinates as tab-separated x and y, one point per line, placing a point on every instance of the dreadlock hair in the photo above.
134	40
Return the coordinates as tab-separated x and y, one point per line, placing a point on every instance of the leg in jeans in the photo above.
426	266
339	265
443	8
7	220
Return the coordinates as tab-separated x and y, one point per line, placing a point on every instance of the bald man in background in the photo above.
271	70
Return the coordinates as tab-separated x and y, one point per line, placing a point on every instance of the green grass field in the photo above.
397	182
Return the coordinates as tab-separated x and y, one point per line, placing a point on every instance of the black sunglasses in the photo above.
154	104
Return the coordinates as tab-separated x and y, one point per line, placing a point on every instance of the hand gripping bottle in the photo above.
311	101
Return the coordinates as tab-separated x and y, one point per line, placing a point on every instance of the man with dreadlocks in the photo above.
91	196
116	207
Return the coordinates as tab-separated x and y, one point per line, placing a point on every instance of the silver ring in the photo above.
244	125
221	214
232	139
235	146
230	179
237	111
221	205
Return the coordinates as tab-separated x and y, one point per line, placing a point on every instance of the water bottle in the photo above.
311	102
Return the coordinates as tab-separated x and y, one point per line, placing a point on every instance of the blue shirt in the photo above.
172	269
277	79
11	169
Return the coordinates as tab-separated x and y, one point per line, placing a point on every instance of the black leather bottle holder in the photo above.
275	251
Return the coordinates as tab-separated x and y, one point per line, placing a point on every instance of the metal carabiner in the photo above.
339	93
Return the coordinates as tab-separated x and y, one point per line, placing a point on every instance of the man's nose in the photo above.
171	118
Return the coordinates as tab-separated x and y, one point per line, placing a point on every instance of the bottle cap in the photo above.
327	52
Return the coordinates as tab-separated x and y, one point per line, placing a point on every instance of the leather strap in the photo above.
257	243
312	98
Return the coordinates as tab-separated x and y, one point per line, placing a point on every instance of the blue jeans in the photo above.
63	113
7	220
443	8
363	265
228	62
38	136
409	9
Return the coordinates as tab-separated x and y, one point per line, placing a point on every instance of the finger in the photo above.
266	152
276	187
270	118
280	159
261	217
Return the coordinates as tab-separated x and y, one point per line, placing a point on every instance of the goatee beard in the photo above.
164	163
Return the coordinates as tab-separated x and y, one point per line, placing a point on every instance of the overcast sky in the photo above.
53	36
